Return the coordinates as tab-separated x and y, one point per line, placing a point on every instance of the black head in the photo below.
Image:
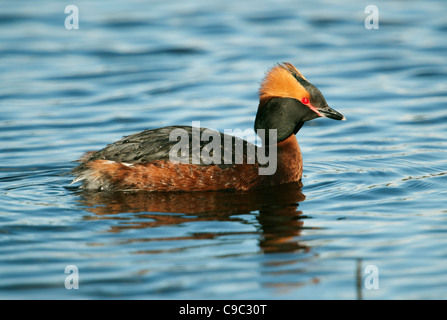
287	100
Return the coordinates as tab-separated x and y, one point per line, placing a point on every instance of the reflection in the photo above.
279	221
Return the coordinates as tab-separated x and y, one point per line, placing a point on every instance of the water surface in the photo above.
374	187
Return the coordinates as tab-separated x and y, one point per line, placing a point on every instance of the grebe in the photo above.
143	161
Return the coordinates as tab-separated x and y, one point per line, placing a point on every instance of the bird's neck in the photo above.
289	160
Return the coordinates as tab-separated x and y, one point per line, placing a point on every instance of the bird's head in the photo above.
287	100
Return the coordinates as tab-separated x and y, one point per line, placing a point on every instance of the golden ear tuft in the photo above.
280	81
291	68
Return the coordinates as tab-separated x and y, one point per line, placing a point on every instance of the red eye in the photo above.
305	100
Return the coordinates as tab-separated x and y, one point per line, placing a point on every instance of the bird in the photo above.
145	161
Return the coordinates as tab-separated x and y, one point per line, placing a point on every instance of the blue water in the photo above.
374	187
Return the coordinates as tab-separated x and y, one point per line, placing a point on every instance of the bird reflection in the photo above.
279	221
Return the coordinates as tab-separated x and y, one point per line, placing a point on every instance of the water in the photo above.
374	187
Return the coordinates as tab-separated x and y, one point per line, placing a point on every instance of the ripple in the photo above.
168	51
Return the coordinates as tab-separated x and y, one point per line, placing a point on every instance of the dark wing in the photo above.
155	144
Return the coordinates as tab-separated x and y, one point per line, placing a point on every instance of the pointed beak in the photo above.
328	112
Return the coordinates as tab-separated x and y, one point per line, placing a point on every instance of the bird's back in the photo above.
145	160
155	144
